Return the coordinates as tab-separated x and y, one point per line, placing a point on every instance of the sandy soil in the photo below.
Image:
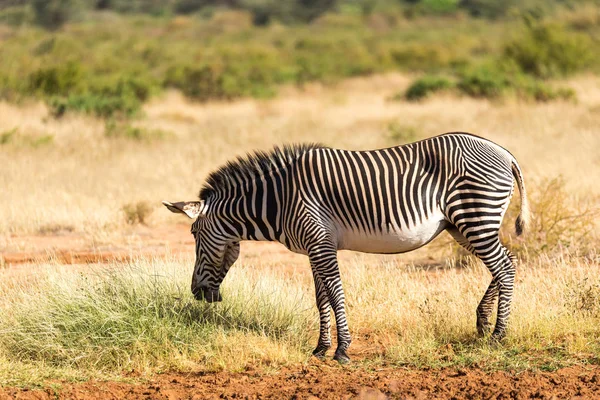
329	381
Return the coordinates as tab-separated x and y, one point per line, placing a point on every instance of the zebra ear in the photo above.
192	209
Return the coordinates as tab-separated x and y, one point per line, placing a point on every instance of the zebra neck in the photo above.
256	215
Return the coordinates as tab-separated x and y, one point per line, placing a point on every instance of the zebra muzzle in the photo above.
209	295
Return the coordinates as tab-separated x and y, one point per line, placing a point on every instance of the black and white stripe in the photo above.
316	200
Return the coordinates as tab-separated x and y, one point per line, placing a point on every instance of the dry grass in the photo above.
141	316
83	179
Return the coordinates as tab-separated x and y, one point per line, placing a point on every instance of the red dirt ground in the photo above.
322	380
328	381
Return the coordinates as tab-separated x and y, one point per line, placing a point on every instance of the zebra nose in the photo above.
209	295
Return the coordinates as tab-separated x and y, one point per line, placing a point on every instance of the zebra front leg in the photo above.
324	261
485	308
324	307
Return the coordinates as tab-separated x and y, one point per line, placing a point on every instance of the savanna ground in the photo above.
94	288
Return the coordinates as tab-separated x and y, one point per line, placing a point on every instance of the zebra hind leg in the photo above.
500	263
324	307
485	309
323	258
486	305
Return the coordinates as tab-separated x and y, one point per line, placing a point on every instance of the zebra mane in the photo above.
254	164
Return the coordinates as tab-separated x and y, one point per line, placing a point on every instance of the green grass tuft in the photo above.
142	316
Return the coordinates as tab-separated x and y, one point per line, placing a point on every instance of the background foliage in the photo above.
108	57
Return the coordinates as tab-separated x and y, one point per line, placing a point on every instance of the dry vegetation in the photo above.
418	312
82	178
102	322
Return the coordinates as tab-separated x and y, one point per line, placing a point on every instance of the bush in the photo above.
230	74
558	222
483	82
542	92
422	57
137	213
57	80
123	97
488	82
546	50
95	104
426	85
52	14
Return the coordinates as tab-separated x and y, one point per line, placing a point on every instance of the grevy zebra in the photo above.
317	200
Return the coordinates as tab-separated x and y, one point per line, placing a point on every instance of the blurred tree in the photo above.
190	6
488	8
52	14
289	11
154	7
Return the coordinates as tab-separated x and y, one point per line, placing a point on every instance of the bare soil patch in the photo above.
329	381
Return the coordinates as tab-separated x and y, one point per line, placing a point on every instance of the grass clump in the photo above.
13	137
119	128
142	316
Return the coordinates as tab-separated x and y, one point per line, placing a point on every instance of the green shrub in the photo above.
422	57
547	50
542	92
123	97
483	82
232	73
488	81
57	80
426	85
95	104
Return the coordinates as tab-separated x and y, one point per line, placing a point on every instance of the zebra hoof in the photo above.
497	337
321	351
341	356
483	329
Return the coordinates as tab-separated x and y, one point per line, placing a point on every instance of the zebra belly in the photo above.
392	240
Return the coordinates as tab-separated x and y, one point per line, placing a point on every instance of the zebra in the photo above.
317	200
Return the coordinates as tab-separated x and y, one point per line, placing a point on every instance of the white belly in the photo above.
393	239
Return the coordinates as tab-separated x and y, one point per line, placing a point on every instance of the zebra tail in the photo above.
525	215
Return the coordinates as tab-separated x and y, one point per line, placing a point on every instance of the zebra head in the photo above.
216	251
